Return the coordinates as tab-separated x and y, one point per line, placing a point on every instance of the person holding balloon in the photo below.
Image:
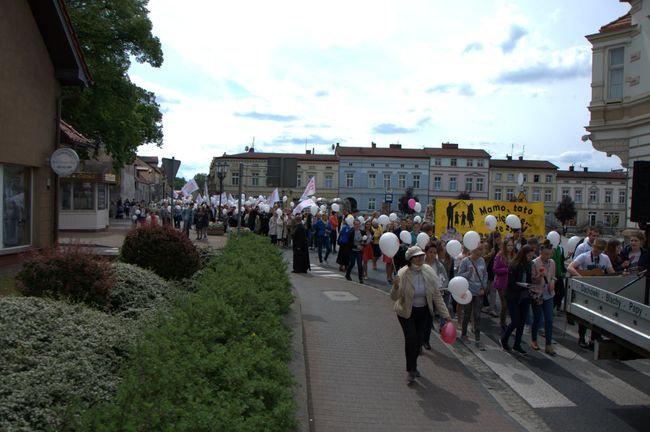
474	269
415	292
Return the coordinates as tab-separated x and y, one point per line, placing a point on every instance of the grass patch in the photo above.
8	285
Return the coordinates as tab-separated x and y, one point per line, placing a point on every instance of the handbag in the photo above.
483	287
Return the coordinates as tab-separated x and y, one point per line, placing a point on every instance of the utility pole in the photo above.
239	211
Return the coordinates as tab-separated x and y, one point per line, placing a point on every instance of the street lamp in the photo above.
222	170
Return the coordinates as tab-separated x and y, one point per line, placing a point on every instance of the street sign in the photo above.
64	161
388	198
170	166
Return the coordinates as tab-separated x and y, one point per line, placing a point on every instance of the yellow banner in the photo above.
455	217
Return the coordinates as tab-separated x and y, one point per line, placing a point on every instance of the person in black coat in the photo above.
300	251
518	297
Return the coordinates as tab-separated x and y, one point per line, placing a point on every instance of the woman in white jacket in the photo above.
281	229
415	292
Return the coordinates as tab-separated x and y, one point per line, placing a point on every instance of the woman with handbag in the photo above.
542	292
415	292
474	269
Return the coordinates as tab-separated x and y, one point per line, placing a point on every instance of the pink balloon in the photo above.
411	203
448	333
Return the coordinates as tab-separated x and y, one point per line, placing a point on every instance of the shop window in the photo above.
83	195
101	196
16	187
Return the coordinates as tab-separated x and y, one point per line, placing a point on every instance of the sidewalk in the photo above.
355	368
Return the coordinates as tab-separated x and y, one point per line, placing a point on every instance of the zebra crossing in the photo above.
326	272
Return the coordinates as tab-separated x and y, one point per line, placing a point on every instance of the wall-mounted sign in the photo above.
64	161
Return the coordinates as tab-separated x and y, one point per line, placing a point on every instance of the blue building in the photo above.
371	176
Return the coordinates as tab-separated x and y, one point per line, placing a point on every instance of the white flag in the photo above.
190	187
310	189
274	197
303	204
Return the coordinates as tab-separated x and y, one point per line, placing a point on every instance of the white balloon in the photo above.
284	198
323	208
572	244
458	285
454	248
389	244
224	212
248	203
422	240
392	217
417	219
134	217
137	212
314	209
405	236
491	222
554	238
383	220
417	207
335	207
513	221
471	240
292	204
278	212
364	238
464	298
349	220
361	220
178	207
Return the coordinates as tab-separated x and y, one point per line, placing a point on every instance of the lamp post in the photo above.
222	170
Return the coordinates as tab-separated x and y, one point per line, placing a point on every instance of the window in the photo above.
437	161
593	196
234	179
608	197
565	192
437	181
15	203
511	177
479	184
548	195
417	166
372	164
537	194
401	181
66	196
83	196
469	162
255	179
349	163
453	162
536	178
578	196
386	181
497	177
372	180
299	180
469	182
328	181
452	183
497	194
372	204
510	194
621	196
615	75
401	166
349	180
525	178
101	196
592	218
479	163
416	181
611	219
549	178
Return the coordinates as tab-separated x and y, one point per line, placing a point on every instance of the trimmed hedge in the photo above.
218	359
137	290
56	360
164	250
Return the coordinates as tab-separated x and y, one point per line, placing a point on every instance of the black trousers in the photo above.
415	328
355	257
559	293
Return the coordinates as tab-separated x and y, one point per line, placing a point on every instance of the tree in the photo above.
200	179
179	182
403	202
565	211
115	111
464	196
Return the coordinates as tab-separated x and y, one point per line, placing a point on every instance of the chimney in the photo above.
396	146
585	169
509	157
308	151
521	158
449	146
373	144
572	168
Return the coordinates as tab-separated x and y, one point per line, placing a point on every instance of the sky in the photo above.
290	75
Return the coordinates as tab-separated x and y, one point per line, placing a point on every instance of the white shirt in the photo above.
419	288
583	247
587	261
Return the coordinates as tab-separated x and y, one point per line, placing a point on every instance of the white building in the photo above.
620	98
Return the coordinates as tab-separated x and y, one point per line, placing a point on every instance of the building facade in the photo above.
539	182
453	170
600	197
371	176
620	89
40	55
289	172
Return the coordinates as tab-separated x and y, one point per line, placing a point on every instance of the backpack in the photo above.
344	235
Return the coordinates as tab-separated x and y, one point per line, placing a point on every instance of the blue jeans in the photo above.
518	310
355	256
323	242
543	311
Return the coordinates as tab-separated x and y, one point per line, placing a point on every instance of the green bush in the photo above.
164	250
56	360
137	290
217	359
70	273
